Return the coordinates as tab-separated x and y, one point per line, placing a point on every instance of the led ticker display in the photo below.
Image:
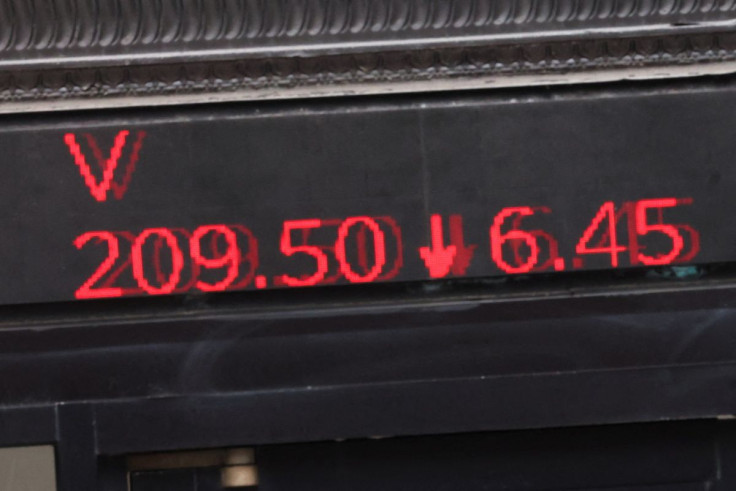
224	257
252	197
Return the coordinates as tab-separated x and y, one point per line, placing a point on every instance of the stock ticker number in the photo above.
365	249
360	249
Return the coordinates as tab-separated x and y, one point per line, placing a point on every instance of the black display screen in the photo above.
258	196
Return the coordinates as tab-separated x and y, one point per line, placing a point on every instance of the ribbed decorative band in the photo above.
563	58
103	28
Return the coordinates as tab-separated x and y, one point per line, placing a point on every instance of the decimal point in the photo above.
559	264
577	263
261	281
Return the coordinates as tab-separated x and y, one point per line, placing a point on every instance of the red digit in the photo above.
116	275
394	232
248	246
86	290
643	228
289	250
379	250
191	270
550	244
498	239
177	259
392	243
606	211
158	244
231	257
694	244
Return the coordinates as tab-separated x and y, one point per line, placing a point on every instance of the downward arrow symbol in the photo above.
438	258
464	254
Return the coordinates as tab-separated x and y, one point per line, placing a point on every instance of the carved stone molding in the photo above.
55	52
563	57
48	32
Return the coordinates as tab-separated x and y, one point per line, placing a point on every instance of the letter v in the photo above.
97	189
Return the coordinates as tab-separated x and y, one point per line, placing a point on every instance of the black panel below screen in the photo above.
683	456
176	480
559	154
630	458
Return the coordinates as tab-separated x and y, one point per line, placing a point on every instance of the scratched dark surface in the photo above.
259	165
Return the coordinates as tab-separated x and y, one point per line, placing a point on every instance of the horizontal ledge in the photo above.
39	32
326	46
373	88
412	409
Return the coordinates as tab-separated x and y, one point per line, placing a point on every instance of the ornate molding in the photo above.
344	70
35	32
135	50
